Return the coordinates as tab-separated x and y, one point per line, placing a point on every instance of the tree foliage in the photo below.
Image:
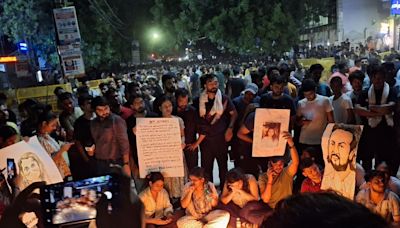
30	21
241	26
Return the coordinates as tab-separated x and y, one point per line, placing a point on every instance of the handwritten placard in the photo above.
159	146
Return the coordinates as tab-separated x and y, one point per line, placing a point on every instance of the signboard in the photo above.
67	25
395	7
159	146
71	59
22	69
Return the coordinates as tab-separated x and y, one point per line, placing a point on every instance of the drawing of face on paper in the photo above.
340	151
30	168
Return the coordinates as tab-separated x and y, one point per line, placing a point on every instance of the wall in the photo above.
358	19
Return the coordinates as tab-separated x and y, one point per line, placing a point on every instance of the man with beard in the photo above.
110	138
190	117
378	198
137	104
69	114
340	171
217	117
169	86
116	105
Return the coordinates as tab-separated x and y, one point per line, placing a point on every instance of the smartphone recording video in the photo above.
75	201
11	168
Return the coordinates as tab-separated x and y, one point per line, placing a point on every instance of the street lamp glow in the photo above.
155	35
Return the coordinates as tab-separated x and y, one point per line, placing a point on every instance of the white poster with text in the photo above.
159	146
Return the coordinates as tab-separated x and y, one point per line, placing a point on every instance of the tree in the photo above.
241	26
32	22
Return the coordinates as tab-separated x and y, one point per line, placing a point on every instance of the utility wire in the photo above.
117	30
112	12
105	14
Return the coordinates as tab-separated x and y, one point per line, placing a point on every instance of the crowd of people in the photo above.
215	105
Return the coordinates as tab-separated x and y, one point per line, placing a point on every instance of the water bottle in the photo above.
238	223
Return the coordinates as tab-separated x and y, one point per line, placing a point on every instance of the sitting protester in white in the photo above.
199	198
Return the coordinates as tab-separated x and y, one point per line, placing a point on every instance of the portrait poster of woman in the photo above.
32	163
268	126
270	134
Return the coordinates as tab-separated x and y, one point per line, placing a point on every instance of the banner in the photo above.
159	146
268	127
72	61
67	25
339	146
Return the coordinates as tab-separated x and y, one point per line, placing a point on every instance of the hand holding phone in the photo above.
11	169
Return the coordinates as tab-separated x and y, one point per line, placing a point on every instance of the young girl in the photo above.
174	185
199	198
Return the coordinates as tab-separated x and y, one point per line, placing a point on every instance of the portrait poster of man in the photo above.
268	127
339	146
32	163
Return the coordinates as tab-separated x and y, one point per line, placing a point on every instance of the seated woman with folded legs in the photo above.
200	198
157	206
240	198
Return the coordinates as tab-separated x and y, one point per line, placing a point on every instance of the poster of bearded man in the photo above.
339	146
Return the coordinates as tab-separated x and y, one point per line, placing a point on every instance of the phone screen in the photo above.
76	200
11	169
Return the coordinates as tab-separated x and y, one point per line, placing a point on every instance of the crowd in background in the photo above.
215	106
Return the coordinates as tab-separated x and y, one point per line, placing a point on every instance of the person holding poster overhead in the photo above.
277	182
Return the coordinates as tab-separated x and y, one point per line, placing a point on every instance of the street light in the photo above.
155	35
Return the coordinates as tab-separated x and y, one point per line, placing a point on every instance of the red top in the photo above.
309	186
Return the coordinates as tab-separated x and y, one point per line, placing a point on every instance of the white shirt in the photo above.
160	207
340	107
317	111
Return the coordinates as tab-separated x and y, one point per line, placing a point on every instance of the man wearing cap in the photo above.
243	107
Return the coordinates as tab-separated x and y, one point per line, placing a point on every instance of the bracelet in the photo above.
291	147
126	163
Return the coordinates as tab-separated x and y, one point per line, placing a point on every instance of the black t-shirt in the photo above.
131	123
190	118
284	102
82	131
237	85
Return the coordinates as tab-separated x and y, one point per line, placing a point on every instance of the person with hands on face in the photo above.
277	182
240	198
158	208
199	198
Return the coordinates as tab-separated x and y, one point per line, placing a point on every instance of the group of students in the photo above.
215	111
